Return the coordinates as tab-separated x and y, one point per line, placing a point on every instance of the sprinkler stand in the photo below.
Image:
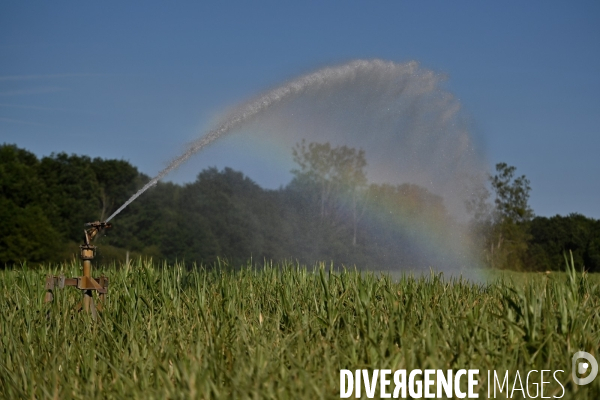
85	283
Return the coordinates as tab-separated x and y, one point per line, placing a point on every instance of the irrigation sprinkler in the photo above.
85	283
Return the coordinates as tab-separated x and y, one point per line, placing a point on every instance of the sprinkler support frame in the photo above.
85	283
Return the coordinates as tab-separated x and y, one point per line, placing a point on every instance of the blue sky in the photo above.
138	80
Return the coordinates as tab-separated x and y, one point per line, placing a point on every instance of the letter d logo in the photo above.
582	367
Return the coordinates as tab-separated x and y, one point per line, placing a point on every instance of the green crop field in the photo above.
285	331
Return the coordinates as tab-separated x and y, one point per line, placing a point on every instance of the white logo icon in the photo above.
582	368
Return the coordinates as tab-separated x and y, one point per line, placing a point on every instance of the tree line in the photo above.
327	212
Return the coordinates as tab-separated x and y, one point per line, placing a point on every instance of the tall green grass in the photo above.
282	331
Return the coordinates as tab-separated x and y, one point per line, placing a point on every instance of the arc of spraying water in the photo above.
244	113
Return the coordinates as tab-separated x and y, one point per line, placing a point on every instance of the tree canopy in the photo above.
329	212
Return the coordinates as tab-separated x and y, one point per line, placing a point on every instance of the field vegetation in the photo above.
283	331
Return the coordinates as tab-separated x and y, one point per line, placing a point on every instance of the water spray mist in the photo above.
411	129
330	76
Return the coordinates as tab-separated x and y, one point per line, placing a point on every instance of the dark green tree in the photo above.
509	235
242	219
338	173
511	195
72	193
555	236
26	234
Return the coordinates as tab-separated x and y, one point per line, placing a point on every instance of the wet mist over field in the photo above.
412	132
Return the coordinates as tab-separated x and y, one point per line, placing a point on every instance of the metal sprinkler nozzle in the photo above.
88	251
94	228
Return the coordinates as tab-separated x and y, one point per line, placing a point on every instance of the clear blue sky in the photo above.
137	80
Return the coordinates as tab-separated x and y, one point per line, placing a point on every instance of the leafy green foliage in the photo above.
511	195
26	231
347	220
284	331
24	226
512	238
552	237
19	180
71	188
337	171
327	212
504	229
